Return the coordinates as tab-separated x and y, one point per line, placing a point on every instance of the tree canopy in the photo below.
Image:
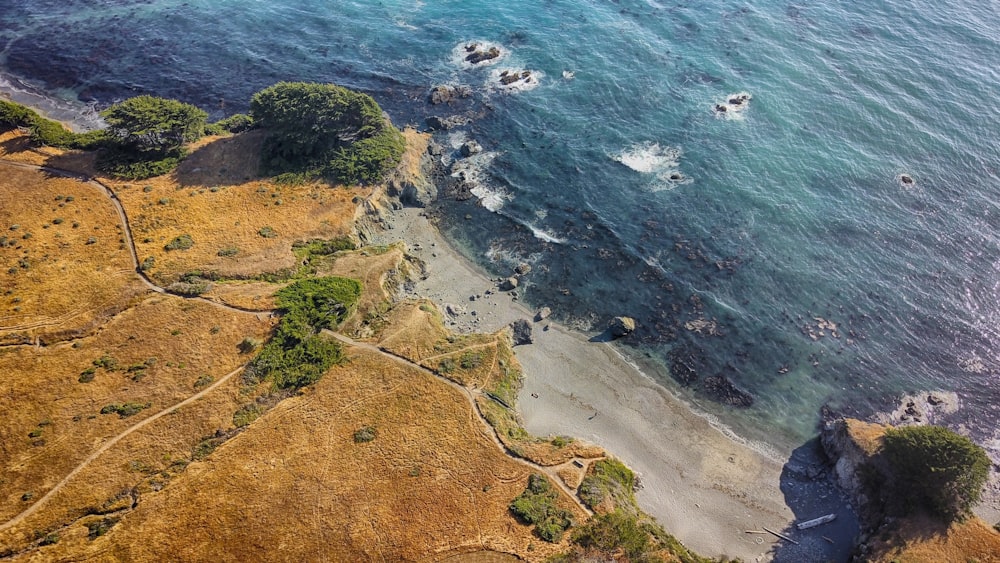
151	124
325	129
936	469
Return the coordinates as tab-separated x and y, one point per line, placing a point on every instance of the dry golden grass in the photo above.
63	263
929	541
215	199
866	435
52	421
295	486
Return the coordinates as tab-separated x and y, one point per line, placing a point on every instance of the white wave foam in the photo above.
462	51
491	199
472	169
523	80
661	162
544	236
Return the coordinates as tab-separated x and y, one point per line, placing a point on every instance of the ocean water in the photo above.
773	246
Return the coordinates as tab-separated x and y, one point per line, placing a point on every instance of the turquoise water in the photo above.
787	209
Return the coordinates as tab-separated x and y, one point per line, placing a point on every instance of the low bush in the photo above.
936	469
609	478
125	410
98	528
297	354
537	505
365	434
181	242
247	414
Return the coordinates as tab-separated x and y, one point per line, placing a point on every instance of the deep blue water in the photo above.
788	211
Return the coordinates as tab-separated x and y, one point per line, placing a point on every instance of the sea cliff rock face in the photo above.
851	445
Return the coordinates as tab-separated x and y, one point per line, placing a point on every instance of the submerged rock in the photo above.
621	326
720	388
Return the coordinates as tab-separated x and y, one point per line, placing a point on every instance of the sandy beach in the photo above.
704	487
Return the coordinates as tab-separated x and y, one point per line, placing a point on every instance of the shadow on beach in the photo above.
810	492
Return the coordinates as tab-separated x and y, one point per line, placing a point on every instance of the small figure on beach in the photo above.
593	416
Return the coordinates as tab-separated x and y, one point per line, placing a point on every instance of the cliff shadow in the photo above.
807	483
222	161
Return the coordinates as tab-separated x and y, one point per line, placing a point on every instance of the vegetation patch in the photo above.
181	242
247	414
365	434
537	506
936	469
298	354
609	479
125	410
98	528
327	130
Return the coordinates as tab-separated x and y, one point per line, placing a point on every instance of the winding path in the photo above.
126	229
110	443
470	395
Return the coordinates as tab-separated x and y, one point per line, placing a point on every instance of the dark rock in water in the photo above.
435	123
509	284
720	388
906	179
521	332
621	326
507	77
470	148
442	94
542	314
934	399
522	269
476	56
721	108
682	372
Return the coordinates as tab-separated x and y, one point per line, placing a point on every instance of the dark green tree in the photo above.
151	124
325	129
936	469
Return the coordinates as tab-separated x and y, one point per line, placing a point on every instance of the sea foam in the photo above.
662	162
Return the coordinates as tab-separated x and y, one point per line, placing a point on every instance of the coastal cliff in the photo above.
862	470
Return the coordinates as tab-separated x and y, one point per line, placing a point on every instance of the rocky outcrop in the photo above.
852	445
435	123
521	332
470	148
509	284
621	326
443	93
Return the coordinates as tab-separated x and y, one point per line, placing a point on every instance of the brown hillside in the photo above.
64	265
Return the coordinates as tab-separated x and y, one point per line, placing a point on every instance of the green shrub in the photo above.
365	434
181	242
297	354
148	264
87	375
247	414
236	123
537	505
610	477
228	251
203	380
122	163
327	129
267	232
100	527
125	410
151	124
615	531
936	469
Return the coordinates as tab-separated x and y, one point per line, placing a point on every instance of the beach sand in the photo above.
703	486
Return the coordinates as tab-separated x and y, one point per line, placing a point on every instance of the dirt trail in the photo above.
111	442
470	395
126	229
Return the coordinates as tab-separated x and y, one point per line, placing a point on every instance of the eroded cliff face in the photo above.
853	447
